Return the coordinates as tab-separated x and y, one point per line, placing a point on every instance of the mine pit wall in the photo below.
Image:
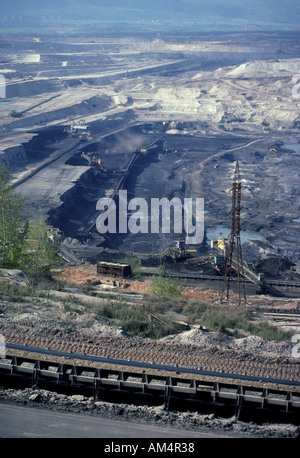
110	123
80	195
77	204
43	142
85	108
31	88
44	139
35	149
13	156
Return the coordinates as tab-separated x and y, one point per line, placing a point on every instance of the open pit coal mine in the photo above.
177	165
159	165
168	122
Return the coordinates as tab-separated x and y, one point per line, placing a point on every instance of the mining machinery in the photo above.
16	114
221	246
229	259
80	130
179	252
94	160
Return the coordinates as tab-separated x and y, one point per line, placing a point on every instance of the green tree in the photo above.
40	252
13	218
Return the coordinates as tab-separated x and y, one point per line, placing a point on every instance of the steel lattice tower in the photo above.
234	245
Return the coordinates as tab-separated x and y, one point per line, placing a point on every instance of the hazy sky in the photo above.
262	13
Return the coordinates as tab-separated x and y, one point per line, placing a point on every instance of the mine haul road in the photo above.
29	422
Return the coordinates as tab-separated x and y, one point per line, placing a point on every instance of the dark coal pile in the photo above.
274	267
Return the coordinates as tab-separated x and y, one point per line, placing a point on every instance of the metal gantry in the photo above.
234	245
204	389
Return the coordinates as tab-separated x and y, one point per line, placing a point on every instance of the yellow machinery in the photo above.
221	245
219	262
94	160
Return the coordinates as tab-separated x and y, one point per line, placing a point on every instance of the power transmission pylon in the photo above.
235	243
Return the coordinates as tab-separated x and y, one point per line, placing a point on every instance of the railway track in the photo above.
139	298
196	276
275	288
193	276
273	312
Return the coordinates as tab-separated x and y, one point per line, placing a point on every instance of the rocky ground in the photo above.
66	323
48	322
155	415
207	357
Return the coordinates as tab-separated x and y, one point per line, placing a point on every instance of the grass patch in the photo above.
232	320
15	293
154	318
161	286
148	320
135	266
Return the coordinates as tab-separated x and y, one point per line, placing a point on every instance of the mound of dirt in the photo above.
13	276
252	344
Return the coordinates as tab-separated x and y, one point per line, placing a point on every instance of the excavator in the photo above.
94	160
179	252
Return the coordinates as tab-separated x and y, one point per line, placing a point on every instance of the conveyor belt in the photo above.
139	382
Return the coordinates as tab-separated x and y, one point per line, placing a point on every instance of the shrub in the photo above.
135	265
162	286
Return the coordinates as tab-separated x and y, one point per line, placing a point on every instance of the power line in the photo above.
235	243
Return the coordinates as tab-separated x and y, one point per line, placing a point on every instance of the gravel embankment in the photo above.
211	353
156	415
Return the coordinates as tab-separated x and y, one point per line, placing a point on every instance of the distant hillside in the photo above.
217	13
97	9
